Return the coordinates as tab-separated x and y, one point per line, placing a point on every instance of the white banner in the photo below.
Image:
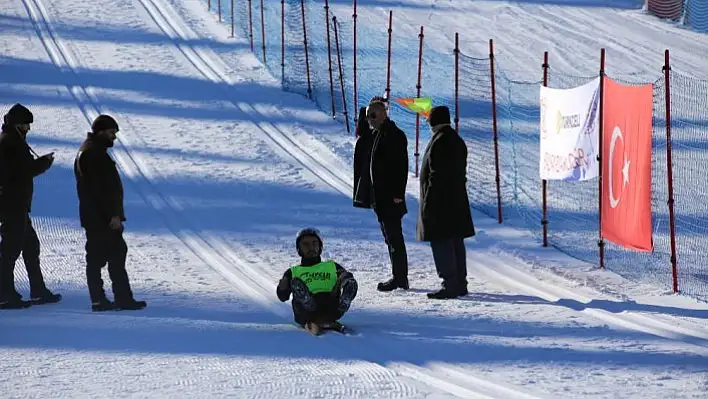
570	132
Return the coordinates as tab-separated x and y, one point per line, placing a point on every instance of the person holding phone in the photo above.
18	168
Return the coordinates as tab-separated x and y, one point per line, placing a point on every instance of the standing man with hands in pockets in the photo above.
445	219
18	168
389	177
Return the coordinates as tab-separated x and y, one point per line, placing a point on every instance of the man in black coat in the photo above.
388	172
362	162
100	193
444	216
18	168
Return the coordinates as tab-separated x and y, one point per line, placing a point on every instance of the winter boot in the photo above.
102	305
302	295
444	293
44	297
349	290
130	304
391	285
14	303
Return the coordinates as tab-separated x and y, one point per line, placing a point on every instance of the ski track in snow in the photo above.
236	256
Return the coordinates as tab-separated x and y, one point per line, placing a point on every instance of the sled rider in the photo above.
322	290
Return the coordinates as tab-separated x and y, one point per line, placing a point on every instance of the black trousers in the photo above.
17	236
106	246
392	230
451	262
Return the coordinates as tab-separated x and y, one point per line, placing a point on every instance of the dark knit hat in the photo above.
104	122
17	115
439	115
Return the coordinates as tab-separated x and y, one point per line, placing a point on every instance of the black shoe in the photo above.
103	306
15	303
463	291
46	297
130	305
443	294
391	285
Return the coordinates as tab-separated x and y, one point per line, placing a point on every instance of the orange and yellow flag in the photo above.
419	105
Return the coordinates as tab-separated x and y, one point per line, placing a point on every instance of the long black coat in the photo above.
18	168
389	171
98	185
362	162
444	211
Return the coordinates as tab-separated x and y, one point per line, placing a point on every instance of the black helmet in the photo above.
308	231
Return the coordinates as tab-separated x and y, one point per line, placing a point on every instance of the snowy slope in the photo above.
221	170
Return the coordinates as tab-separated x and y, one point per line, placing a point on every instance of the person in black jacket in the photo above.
322	290
389	176
362	162
100	193
444	216
18	168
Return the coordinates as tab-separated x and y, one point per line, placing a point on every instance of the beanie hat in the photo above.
439	115
307	232
104	122
18	114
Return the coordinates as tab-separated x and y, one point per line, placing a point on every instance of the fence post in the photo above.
307	57
263	37
356	93
329	60
341	74
388	60
233	33
418	87
219	5
250	23
544	182
601	241
282	42
669	169
457	82
494	130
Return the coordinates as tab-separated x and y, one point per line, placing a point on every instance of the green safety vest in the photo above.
321	277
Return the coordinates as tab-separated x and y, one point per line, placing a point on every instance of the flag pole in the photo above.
600	241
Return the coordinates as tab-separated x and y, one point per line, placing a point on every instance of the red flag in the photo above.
626	165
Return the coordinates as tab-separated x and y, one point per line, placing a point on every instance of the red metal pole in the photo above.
418	87
388	62
457	82
329	59
544	182
282	42
250	23
669	169
341	74
263	37
356	93
219	5
494	129
601	241
307	57
232	19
